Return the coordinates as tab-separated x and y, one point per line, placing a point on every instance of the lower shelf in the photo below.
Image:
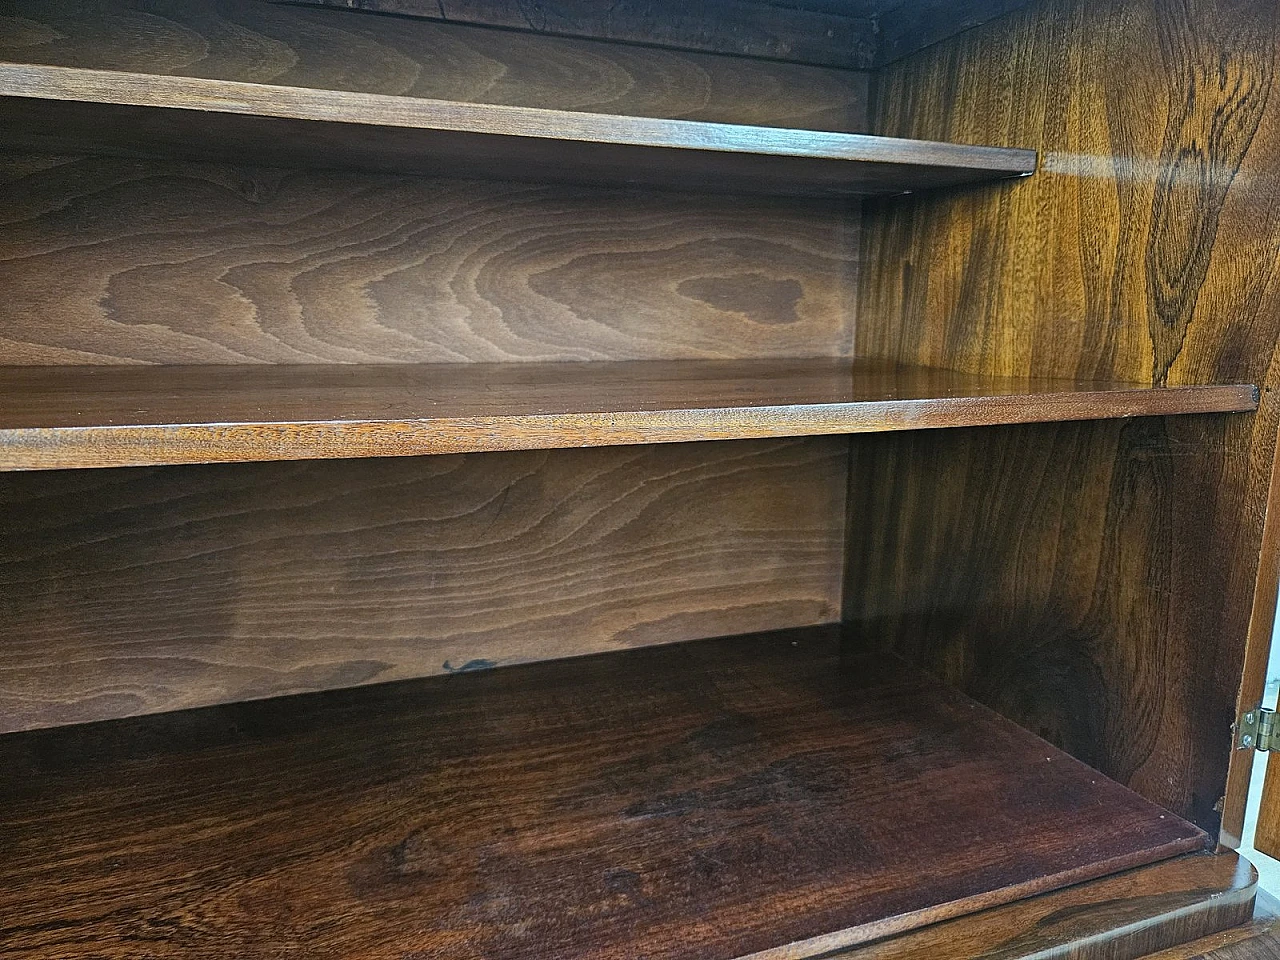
1257	938
1124	916
758	796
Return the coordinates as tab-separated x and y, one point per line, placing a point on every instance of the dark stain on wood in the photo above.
747	294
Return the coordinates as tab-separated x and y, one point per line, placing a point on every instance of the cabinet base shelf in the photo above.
768	795
1121	917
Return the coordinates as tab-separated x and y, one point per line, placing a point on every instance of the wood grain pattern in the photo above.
106	260
337	49
95	416
907	28
831	32
726	798
1139	251
76	109
804	33
1113	259
1068	576
1257	940
1116	918
133	591
1256	658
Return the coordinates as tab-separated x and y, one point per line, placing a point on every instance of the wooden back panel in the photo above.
136	590
1096	582
107	260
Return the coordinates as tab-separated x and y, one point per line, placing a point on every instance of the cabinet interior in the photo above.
513	490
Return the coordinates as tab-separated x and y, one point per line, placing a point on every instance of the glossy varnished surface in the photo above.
94	416
1140	251
73	108
1258	939
1120	917
132	591
1016	561
720	799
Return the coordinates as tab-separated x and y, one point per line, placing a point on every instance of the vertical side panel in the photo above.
1145	249
1066	575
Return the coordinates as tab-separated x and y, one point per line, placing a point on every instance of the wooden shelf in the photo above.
47	107
757	795
101	416
1123	915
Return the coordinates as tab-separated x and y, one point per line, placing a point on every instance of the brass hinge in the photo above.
1257	730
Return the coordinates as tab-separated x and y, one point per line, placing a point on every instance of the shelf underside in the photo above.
59	108
93	416
752	795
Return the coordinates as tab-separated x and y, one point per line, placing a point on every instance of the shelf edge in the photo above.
160	91
46	448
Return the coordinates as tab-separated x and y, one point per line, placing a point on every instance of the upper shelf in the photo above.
101	416
43	107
